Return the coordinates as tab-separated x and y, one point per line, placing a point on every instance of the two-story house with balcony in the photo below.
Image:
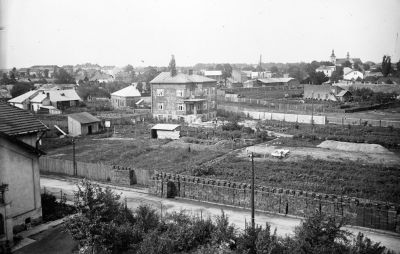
20	203
184	97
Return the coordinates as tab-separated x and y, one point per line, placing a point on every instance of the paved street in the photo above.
237	216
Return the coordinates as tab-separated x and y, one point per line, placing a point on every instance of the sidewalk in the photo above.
33	231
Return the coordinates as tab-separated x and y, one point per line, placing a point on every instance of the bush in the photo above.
53	209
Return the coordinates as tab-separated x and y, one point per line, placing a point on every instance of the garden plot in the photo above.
372	154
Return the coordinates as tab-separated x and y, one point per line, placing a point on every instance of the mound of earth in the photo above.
353	147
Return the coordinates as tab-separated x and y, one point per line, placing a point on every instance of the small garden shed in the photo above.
82	124
166	131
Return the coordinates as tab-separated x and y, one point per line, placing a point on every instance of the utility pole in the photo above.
252	191
312	111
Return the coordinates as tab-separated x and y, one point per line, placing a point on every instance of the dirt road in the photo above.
237	216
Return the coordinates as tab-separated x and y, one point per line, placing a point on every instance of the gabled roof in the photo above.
129	91
342	93
23	97
180	78
16	121
165	126
63	95
22	144
84	117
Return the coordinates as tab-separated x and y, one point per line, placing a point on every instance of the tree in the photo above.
366	67
102	224
128	68
386	66
320	233
172	66
20	88
347	64
337	74
274	69
63	77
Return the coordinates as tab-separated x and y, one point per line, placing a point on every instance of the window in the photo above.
160	92
179	93
181	107
160	106
206	91
205	105
213	90
198	106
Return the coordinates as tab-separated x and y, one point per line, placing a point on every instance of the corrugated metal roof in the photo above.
84	117
165	126
180	78
129	91
16	121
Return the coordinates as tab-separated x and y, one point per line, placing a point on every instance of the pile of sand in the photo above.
353	147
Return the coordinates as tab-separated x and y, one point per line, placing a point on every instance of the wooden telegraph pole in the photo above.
73	157
252	191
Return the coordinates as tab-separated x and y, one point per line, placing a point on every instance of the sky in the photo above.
148	32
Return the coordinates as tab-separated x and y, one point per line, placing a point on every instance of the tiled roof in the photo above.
16	121
180	78
84	117
129	91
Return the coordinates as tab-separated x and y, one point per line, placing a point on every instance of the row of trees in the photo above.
105	225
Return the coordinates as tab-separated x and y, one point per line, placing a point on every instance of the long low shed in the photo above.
166	131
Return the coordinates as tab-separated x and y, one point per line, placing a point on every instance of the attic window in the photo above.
62	94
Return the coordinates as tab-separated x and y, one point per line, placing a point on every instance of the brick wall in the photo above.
359	212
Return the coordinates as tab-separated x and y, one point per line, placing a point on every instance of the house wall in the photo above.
170	100
164	134
74	127
320	92
85	128
20	170
123	102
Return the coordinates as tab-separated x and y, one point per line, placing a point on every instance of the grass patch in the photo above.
349	178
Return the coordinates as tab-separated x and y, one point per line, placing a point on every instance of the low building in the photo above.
277	82
33	100
322	92
184	97
239	76
125	98
166	131
327	70
20	202
352	75
216	75
232	83
344	96
83	124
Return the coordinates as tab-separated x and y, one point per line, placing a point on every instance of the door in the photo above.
89	129
2	231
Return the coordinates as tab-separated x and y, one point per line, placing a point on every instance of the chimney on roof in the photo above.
47	95
172	66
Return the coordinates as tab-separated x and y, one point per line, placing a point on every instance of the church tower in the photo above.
333	57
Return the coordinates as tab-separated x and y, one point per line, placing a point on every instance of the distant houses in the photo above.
326	92
327	70
350	74
20	201
35	99
125	98
184	97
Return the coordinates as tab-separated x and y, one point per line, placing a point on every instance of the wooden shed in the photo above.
166	131
82	124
